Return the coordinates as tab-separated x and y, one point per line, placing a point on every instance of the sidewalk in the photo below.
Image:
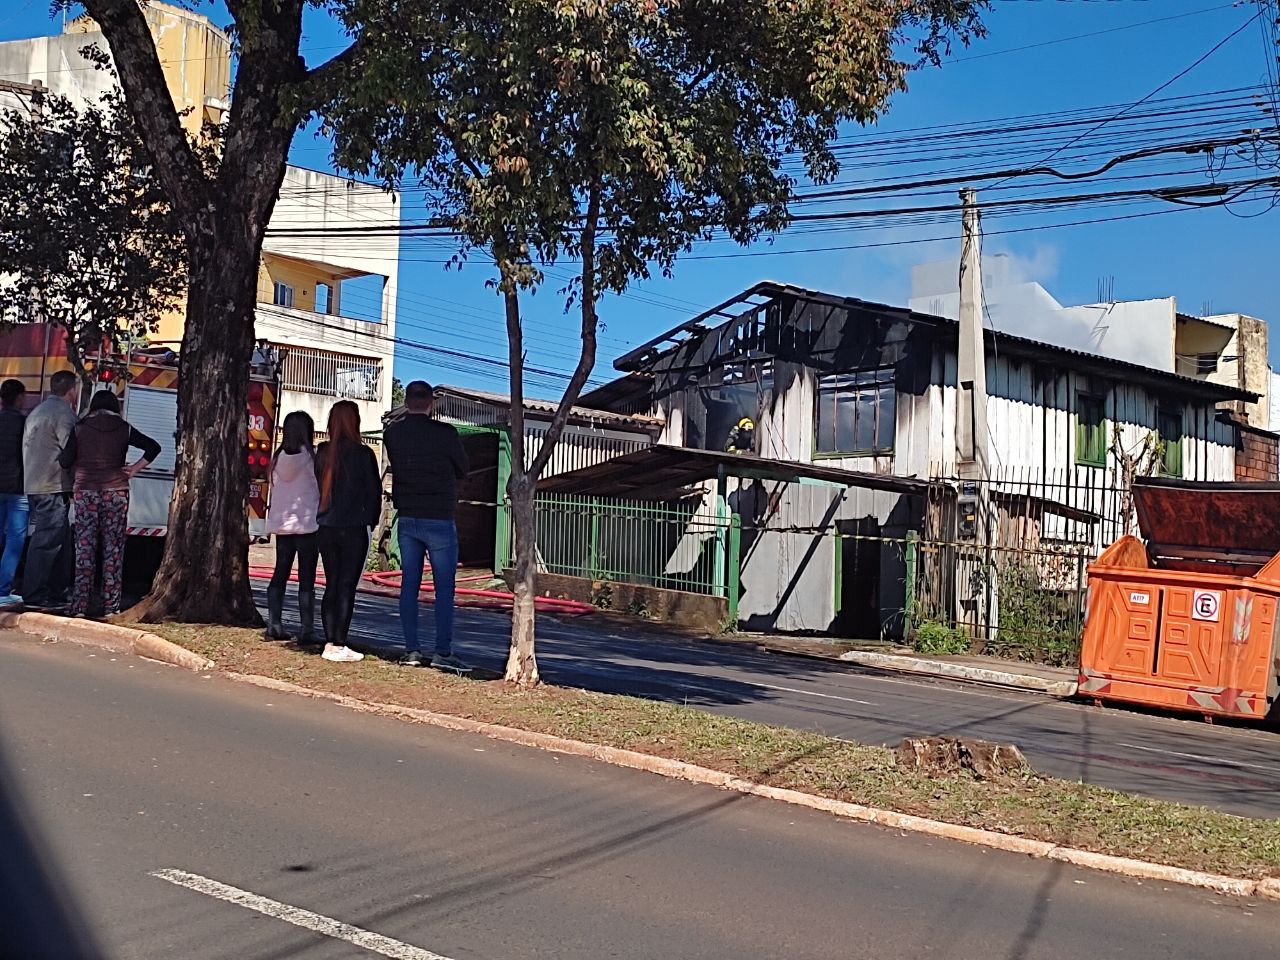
1036	677
1055	681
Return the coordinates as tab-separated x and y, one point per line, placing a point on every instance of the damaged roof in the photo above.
643	357
498	407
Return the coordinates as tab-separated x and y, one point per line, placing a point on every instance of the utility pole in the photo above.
34	92
972	437
975	594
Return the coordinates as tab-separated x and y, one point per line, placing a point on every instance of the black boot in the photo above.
275	612
306	616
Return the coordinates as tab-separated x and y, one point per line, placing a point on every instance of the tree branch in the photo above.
147	95
590	324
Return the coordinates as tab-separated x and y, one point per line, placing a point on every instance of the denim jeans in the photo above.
50	558
439	540
13	530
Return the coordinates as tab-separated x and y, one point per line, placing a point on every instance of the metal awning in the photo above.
1231	522
663	472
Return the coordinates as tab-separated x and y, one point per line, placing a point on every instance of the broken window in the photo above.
856	413
734	407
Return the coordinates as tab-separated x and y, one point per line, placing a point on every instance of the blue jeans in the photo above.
14	512
418	539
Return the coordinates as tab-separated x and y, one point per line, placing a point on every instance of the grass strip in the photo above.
1070	814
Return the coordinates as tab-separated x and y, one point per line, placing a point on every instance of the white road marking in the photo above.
1270	768
807	693
365	939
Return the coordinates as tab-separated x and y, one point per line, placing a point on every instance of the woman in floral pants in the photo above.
97	451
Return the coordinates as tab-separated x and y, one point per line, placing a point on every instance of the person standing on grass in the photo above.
13	499
350	501
427	462
291	519
98	450
48	485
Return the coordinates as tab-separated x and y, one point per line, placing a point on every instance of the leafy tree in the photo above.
613	135
397	393
222	210
87	239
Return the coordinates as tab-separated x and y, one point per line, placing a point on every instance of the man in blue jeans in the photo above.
13	498
427	461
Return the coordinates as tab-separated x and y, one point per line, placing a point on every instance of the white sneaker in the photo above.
341	654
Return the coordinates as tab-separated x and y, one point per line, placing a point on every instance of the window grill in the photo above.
329	374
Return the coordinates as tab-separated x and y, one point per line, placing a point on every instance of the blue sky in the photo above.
1201	256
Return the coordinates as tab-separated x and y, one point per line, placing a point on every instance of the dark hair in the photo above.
105	400
11	392
299	433
418	395
60	383
344	430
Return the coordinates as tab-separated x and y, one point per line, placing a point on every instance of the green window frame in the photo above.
1091	430
1169	430
855	414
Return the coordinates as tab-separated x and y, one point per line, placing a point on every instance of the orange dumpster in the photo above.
1185	618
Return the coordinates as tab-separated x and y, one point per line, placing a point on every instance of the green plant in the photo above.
1036	621
939	639
602	595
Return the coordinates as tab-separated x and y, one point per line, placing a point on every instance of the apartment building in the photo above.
329	302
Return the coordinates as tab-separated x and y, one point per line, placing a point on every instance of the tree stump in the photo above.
951	755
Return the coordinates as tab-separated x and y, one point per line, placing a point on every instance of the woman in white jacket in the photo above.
291	519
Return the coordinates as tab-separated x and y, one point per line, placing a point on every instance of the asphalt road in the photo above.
1229	768
272	815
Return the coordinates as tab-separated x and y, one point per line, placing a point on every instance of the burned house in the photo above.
860	399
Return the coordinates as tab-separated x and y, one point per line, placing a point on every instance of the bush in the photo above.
939	639
1037	623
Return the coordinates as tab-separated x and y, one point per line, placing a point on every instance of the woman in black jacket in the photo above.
350	501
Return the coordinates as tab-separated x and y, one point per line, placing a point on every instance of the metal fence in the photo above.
1013	602
332	374
675	546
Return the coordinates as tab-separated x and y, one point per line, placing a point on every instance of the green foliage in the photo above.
939	639
602	595
1037	622
669	121
87	240
397	393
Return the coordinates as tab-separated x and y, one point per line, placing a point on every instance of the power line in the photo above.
1164	86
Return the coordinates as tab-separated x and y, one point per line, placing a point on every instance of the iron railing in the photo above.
675	546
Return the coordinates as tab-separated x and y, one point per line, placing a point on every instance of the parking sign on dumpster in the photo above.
1186	617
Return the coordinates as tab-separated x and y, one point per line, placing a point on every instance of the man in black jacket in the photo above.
427	461
13	498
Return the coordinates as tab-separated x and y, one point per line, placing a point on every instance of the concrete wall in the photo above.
1244	363
194	55
341	335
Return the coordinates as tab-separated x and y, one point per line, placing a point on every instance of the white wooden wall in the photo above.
581	446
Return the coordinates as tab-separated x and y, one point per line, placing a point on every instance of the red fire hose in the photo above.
387	583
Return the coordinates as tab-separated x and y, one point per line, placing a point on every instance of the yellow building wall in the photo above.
195	57
303	277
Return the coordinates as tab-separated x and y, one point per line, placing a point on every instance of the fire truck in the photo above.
146	380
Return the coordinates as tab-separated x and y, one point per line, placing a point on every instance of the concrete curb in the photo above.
680	770
961	671
105	635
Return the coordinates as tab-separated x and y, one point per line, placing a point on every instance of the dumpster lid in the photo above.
1230	522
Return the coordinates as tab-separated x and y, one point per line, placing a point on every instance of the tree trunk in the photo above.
204	576
522	663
